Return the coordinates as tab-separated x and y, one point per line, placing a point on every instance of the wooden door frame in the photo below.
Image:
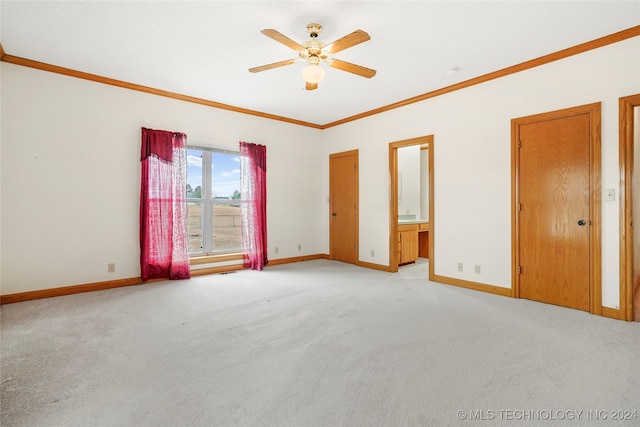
393	200
626	152
595	202
357	201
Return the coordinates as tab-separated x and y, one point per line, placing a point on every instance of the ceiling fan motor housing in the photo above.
313	49
313	53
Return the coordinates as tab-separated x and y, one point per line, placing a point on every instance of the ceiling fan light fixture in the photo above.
315	51
313	73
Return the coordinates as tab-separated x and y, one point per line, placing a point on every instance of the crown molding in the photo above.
555	56
16	60
561	54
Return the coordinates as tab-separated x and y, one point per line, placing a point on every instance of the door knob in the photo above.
582	222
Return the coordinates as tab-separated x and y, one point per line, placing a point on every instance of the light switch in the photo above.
610	195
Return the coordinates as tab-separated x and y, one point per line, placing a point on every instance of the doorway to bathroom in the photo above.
411	219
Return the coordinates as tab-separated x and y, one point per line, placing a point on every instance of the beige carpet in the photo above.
318	343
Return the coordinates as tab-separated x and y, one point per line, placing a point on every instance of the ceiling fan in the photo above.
315	51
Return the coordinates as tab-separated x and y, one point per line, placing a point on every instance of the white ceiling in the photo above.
205	48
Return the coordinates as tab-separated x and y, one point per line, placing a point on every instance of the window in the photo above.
213	200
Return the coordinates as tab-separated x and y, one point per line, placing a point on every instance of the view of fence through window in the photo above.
213	200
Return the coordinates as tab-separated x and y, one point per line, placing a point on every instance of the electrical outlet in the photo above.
277	249
299	247
373	253
476	269
111	267
460	266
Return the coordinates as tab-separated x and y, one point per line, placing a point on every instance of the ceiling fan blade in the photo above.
281	38
311	86
347	41
351	68
270	66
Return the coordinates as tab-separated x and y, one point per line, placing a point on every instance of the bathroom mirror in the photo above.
413	183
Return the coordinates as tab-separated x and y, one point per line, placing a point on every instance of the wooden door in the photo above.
343	177
554	210
629	111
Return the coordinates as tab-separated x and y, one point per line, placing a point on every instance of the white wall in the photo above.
472	156
70	171
70	175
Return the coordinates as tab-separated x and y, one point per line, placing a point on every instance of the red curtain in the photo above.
253	178
163	208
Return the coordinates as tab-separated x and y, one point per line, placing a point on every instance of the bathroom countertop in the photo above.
413	221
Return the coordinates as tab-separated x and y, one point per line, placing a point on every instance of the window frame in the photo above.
207	202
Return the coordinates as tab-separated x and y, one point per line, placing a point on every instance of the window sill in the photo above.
209	259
